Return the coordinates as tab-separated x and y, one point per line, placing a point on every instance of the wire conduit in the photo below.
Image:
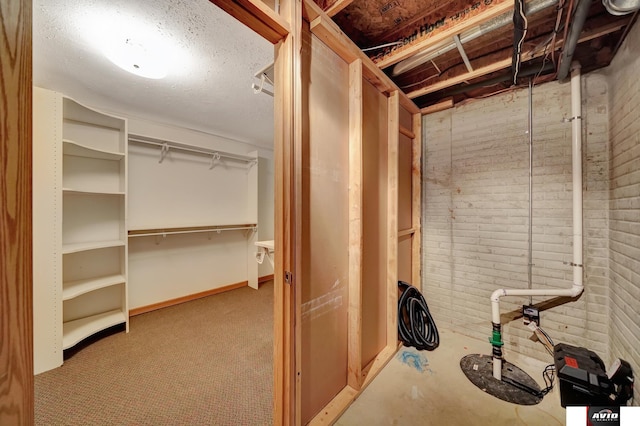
416	326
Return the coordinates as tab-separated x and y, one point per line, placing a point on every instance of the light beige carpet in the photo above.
205	362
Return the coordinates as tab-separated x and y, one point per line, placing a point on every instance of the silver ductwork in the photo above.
621	7
438	49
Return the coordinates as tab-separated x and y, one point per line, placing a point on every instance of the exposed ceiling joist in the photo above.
413	41
448	29
499	65
337	7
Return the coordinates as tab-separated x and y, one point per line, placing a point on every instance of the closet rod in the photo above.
166	145
171	231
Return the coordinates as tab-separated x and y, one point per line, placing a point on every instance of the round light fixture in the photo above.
139	58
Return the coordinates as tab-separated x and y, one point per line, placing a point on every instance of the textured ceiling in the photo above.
213	56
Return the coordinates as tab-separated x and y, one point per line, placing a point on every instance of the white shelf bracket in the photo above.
251	164
214	157
164	150
250	231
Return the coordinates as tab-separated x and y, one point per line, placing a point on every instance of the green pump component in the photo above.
496	338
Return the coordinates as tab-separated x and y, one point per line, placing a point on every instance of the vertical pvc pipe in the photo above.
530	266
576	151
577	288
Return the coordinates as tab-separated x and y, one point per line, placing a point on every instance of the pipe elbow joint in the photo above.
575	66
576	290
496	295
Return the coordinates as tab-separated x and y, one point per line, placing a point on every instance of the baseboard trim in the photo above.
265	279
177	301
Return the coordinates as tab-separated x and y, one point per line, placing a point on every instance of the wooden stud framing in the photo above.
258	16
327	31
440	106
354	371
287	154
408	133
335	408
416	203
392	219
335	8
286	32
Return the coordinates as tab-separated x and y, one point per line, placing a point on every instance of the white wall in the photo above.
624	225
475	214
266	219
184	191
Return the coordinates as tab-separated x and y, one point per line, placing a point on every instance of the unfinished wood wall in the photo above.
325	240
338	130
356	118
405	197
374	222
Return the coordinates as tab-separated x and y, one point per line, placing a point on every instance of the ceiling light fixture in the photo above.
136	57
133	44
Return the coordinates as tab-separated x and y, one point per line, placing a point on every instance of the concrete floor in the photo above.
435	391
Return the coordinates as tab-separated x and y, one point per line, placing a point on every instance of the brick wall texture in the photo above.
624	203
476	212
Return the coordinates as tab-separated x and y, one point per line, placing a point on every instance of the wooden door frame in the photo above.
283	30
16	297
16	273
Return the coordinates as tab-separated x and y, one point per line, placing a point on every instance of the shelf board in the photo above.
79	150
189	229
91	245
77	330
82	192
76	288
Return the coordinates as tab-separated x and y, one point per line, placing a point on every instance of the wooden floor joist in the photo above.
336	7
506	63
446	32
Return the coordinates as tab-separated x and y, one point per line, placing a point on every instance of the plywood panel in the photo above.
405	119
405	259
374	222
405	195
324	233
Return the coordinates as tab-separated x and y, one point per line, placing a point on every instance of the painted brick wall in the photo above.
624	225
475	214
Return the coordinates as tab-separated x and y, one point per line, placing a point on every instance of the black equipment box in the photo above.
582	376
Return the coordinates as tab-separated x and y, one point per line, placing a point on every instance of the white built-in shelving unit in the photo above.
124	223
80	234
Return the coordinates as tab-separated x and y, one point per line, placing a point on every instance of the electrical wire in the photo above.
518	48
416	326
548	375
547	336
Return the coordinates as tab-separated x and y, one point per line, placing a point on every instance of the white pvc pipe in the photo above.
576	153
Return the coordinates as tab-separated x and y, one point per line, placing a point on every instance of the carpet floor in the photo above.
204	362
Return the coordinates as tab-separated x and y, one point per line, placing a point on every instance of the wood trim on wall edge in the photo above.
183	299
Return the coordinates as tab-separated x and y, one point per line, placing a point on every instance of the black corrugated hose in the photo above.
416	326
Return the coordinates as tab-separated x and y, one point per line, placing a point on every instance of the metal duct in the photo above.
580	15
438	49
621	7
